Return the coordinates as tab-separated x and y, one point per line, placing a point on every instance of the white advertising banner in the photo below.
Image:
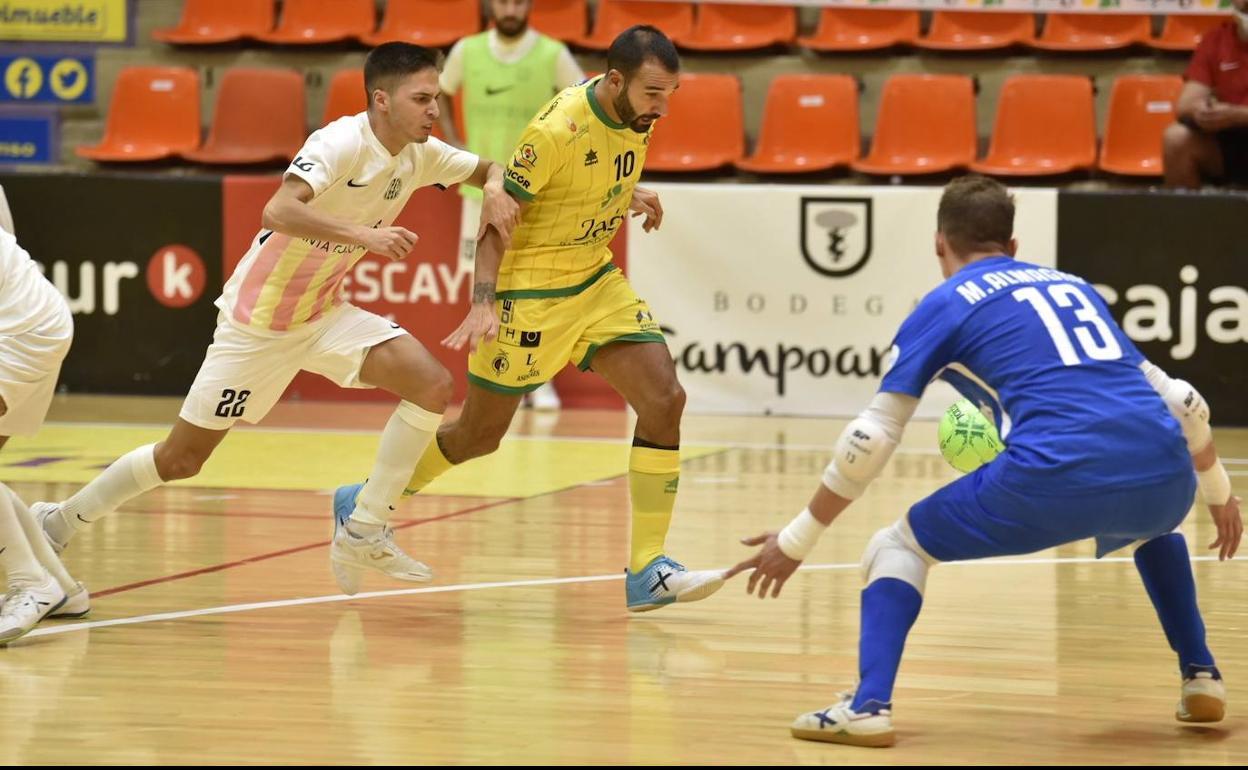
784	299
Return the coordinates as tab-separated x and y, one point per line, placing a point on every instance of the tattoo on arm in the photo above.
483	292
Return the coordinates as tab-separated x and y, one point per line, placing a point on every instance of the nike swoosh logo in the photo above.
351	183
394	326
84	521
496	91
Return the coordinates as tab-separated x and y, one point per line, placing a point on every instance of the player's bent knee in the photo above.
667	405
894	553
429	387
436	394
676	399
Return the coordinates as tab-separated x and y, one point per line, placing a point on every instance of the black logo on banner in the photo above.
836	234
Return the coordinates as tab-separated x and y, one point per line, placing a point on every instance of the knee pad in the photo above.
893	552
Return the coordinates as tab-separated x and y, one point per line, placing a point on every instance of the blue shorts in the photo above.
974	518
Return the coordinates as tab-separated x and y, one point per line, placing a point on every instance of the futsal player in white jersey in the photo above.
282	311
35	332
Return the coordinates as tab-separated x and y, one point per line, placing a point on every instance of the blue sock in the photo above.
1166	571
889	609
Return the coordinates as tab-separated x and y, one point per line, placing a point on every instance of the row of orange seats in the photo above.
926	123
711	27
258	117
154	115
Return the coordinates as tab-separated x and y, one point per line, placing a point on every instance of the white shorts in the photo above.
244	374
30	363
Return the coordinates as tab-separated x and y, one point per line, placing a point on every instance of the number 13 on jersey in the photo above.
1094	336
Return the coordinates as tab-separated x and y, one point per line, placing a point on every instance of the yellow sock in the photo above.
653	475
431	465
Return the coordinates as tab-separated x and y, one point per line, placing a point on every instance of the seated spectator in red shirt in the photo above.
1209	143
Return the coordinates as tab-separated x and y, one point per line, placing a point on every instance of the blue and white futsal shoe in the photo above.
871	727
664	581
1203	697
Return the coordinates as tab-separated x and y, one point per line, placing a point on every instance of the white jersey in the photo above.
28	301
285	282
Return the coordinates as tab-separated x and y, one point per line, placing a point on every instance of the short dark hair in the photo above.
638	44
976	214
389	62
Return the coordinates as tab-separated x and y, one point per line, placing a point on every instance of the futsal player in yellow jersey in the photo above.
558	298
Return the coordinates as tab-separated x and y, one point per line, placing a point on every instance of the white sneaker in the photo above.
26	605
1203	698
838	723
77	603
350	554
41	512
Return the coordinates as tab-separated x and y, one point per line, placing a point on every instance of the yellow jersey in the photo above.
576	168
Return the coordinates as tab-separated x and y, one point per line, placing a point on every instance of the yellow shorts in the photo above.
538	335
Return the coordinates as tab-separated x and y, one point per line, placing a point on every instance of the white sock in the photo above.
402	443
130	476
16	559
39	544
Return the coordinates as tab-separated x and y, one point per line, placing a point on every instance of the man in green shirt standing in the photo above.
504	76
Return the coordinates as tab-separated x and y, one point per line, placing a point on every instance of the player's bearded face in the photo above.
643	98
511	17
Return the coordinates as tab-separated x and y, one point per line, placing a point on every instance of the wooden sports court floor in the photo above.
217	634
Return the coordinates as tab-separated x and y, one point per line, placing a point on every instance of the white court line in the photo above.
315	600
63	629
